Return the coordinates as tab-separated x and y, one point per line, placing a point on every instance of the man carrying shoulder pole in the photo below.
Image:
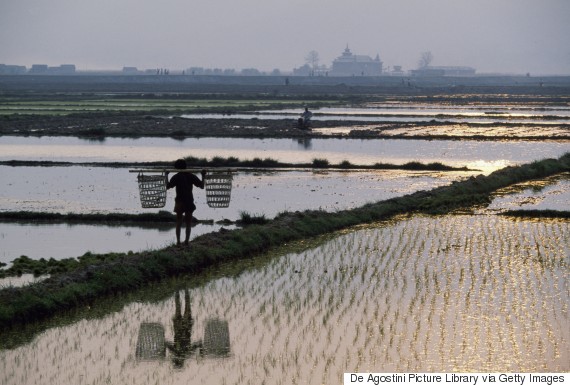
184	201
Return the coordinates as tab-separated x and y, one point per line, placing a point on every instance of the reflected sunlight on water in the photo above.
99	189
357	151
545	194
425	294
59	241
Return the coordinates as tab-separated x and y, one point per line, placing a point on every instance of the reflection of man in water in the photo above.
182	345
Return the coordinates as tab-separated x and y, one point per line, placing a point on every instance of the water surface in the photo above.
80	189
110	190
401	113
434	294
487	156
61	241
546	194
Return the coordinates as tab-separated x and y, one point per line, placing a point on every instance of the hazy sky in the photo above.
507	36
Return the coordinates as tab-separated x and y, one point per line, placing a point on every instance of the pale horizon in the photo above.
506	37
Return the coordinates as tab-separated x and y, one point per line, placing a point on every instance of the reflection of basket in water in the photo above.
152	190
218	189
216	338
150	343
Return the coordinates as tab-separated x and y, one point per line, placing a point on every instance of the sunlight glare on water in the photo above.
357	151
424	294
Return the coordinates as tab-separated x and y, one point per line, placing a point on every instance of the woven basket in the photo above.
152	189
150	343
216	338
218	189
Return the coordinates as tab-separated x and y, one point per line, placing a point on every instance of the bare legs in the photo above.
188	219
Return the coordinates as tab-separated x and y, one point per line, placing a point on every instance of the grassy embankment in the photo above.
125	272
255	163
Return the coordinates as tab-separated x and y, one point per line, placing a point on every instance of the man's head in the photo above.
180	164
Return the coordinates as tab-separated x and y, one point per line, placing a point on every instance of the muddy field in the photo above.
139	126
246	93
156	126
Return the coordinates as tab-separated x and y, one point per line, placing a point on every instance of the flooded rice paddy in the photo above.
114	190
425	294
418	113
110	190
549	194
59	241
422	294
484	155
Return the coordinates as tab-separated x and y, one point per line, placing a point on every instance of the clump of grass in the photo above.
267	162
320	163
537	213
252	219
345	164
93	132
178	134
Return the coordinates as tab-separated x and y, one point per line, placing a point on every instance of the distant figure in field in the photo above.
184	201
305	119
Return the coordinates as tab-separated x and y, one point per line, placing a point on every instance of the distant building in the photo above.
131	71
64	69
6	69
39	69
349	64
304	70
43	69
250	72
444	71
397	71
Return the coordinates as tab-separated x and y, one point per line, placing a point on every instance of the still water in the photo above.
487	156
114	190
434	294
548	194
401	113
59	241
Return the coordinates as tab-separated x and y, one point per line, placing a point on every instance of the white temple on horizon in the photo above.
349	64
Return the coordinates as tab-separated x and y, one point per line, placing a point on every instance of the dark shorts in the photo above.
181	207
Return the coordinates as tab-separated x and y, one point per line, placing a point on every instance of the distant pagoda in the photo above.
349	64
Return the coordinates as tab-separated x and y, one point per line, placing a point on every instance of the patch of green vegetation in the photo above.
320	163
317	163
127	272
536	213
92	132
233	162
252	219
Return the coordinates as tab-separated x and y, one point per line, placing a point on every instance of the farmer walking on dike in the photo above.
184	201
